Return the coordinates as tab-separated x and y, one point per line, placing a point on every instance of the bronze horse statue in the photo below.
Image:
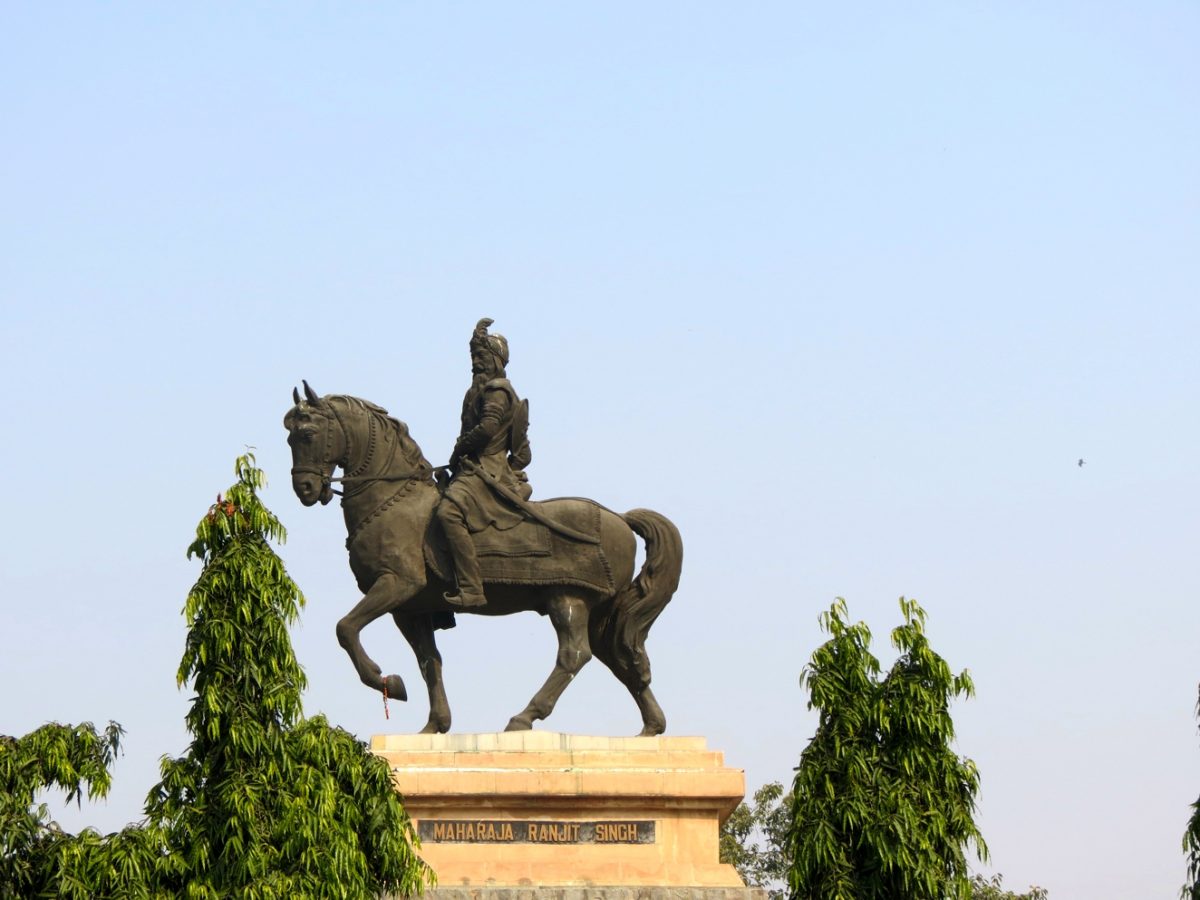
388	499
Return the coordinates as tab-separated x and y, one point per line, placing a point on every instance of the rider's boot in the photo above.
466	565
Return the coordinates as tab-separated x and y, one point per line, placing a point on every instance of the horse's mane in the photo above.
408	447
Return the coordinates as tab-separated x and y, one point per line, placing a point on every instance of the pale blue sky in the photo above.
845	290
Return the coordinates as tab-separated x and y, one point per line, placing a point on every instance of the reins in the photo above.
328	479
347	478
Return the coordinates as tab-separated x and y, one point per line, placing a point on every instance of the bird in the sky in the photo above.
1081	464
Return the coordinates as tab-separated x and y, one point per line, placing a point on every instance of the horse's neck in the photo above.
375	468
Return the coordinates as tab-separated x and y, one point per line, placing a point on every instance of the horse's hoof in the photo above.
653	727
516	723
393	685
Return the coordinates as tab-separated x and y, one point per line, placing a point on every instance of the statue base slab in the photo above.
606	892
540	810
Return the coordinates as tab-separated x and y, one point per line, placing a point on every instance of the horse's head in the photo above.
317	443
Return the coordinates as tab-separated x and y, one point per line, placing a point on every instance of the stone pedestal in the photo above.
560	812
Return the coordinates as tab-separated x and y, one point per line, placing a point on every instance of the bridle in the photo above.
354	481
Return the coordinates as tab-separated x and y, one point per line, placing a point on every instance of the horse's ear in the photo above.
296	396
310	393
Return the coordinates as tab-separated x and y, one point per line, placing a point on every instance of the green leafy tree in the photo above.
1191	847
77	760
752	839
265	803
881	805
993	889
38	858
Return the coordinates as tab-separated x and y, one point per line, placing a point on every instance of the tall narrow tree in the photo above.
882	807
265	803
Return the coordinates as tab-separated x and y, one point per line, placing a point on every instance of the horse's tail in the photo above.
617	628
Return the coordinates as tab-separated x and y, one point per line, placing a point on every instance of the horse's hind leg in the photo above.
654	720
569	615
634	673
418	631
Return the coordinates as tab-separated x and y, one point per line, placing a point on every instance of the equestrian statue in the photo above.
470	540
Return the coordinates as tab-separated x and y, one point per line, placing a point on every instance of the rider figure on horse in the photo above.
488	463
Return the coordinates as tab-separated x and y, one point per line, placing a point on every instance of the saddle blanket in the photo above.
532	553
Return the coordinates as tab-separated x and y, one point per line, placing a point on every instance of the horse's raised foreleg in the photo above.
387	593
569	615
418	631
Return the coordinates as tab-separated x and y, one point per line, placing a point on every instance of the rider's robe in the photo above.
493	438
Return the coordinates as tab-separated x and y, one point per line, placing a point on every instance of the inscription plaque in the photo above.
526	831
